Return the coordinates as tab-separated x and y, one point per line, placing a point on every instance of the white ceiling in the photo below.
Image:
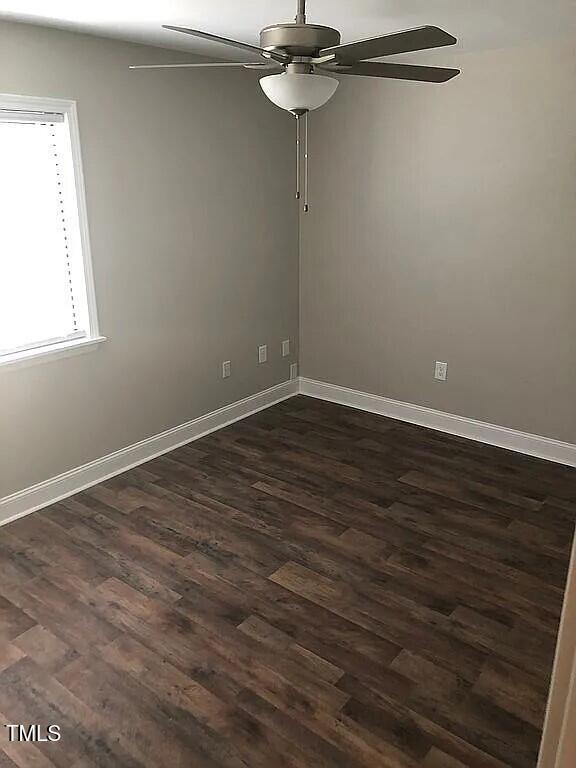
479	24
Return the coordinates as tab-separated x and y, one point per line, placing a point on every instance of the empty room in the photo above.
287	384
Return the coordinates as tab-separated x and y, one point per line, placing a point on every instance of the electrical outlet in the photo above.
226	369
286	348
262	353
293	371
441	371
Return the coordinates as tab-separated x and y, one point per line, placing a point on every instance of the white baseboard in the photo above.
56	488
503	437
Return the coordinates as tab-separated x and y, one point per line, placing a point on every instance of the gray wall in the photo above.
443	227
194	234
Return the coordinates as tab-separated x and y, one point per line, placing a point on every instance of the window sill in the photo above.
51	352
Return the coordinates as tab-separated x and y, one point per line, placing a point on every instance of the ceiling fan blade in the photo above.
245	65
418	39
395	71
276	55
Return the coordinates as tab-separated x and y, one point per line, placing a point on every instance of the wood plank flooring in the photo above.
313	587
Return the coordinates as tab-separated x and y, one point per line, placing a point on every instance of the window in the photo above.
46	290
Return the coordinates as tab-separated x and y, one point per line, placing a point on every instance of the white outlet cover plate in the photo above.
441	371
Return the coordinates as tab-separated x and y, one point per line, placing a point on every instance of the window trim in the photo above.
52	351
68	108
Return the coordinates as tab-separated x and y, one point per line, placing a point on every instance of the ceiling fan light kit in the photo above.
300	49
299	93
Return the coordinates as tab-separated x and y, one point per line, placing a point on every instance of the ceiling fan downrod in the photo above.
301	12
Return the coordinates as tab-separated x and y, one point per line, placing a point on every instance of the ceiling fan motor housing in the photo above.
299	39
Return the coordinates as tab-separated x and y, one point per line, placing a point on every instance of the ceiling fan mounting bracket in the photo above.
299	39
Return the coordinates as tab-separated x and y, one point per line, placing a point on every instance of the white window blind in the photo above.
43	294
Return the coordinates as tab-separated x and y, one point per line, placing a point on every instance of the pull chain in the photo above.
306	201
297	157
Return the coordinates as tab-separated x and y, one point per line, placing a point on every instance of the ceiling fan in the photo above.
302	49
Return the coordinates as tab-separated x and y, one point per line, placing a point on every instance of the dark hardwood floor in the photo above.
313	587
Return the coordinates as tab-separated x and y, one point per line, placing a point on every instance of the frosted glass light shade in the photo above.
298	92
